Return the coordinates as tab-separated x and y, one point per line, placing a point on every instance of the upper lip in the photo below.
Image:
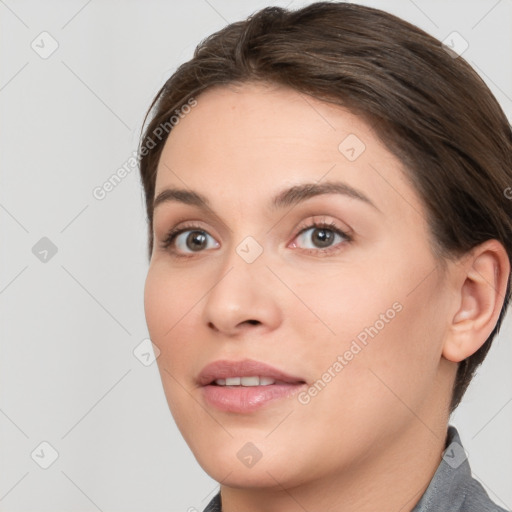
224	369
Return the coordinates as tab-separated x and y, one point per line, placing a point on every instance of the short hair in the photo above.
425	103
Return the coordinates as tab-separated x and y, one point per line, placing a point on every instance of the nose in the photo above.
242	298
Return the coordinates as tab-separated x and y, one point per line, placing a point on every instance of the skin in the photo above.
372	439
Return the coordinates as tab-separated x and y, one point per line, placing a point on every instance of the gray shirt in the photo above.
452	488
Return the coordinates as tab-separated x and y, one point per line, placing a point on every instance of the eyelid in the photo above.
179	243
177	213
169	238
327	222
346	234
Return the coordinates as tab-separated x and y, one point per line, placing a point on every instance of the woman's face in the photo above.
302	258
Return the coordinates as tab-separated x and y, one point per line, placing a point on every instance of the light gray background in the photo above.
69	326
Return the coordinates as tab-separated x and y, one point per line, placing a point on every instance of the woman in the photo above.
330	238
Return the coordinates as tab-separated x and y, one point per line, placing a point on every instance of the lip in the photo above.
241	399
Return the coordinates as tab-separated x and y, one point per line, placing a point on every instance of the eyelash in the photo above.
331	226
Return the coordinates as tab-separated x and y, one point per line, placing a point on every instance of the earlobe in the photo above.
483	283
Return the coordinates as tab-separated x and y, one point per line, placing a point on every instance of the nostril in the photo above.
253	322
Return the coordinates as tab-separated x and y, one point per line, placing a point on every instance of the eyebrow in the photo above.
299	193
286	198
181	196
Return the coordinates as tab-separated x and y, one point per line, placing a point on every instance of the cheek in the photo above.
172	304
158	302
169	317
167	299
380	328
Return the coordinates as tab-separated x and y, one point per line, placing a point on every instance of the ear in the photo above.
481	286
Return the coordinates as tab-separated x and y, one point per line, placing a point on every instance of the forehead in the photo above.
241	142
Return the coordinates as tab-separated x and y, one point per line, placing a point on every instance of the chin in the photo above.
233	466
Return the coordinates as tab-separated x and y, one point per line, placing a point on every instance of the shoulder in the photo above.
476	498
453	487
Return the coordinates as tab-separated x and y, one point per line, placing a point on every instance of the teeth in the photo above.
250	381
245	381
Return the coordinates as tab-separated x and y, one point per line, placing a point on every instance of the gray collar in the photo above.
453	488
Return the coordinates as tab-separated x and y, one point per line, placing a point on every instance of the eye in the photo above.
320	236
189	240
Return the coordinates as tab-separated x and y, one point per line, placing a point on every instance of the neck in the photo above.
394	479
391	476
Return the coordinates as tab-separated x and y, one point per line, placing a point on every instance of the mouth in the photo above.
245	386
246	381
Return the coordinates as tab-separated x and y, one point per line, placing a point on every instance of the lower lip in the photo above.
242	399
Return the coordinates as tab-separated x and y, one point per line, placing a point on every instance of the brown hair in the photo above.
426	104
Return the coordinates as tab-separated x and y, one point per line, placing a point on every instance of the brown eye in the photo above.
196	240
320	237
190	240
